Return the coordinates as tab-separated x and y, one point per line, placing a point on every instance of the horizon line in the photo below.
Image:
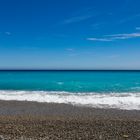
69	69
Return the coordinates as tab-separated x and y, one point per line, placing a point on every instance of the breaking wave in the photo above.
127	101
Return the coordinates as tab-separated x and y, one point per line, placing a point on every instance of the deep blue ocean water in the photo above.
113	89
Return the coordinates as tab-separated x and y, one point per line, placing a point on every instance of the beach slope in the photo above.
32	120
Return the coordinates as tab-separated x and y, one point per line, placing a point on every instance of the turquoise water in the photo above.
98	89
71	81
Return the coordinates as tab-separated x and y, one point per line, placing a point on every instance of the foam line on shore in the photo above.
127	101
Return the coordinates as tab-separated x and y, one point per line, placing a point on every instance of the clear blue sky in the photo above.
70	34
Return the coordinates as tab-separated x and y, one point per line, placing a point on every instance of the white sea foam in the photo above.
128	101
60	83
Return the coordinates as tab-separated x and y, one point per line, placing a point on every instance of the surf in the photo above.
126	101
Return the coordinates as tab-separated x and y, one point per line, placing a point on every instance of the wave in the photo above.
127	101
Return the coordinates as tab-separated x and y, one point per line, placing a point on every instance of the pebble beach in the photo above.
21	120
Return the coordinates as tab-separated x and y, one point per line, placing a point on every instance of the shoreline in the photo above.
124	101
13	107
24	120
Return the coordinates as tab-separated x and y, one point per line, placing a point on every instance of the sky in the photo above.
69	34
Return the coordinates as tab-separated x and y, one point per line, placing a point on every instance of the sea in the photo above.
97	89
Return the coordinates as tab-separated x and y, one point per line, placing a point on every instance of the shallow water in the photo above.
103	89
